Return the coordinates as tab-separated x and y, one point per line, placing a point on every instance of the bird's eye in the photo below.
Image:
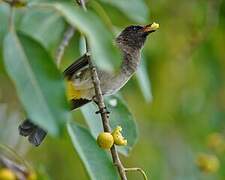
136	28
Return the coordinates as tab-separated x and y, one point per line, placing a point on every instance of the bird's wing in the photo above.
76	103
79	64
80	89
79	75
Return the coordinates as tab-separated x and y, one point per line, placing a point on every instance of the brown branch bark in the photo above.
102	109
105	119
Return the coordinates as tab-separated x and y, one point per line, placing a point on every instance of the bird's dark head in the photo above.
134	36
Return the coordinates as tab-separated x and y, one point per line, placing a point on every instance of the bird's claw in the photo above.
103	110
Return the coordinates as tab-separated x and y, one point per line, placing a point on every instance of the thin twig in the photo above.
139	170
11	19
21	170
64	43
102	109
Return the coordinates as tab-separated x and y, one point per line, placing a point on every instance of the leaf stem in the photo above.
11	19
139	170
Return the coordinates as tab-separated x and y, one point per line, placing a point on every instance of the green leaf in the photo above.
119	116
44	25
82	45
4	13
96	160
104	53
136	10
144	81
4	19
38	83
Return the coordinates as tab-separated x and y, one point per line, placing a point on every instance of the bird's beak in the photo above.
151	27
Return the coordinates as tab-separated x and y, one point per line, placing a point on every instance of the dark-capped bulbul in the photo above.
80	89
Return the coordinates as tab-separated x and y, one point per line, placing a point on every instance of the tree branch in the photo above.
105	119
102	109
64	43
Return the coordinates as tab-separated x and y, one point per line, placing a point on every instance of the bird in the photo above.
80	88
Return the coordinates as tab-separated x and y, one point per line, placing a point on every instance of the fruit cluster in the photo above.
106	140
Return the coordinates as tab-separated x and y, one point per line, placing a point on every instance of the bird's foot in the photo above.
103	110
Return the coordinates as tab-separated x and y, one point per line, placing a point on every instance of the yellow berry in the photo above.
215	141
105	140
32	176
118	137
208	163
155	26
7	174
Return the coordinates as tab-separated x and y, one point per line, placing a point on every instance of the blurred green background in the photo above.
185	60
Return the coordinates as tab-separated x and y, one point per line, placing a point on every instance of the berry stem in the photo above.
139	170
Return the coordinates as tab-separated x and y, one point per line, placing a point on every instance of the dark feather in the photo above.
76	66
76	103
35	134
26	128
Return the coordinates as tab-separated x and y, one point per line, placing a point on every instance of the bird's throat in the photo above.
129	65
131	61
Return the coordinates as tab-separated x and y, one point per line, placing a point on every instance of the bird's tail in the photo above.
34	133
